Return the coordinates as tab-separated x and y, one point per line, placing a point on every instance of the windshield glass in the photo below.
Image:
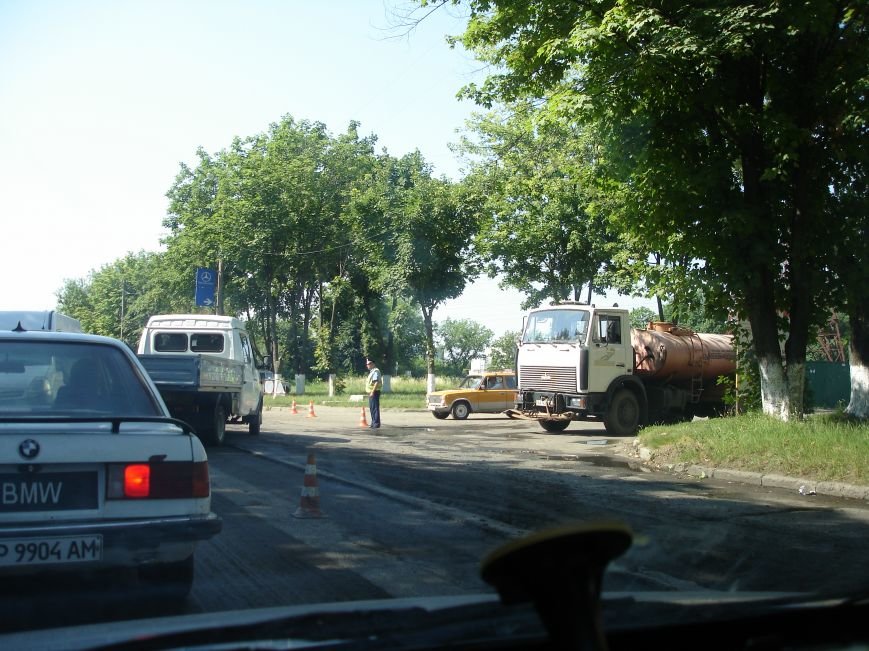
425	278
556	326
470	382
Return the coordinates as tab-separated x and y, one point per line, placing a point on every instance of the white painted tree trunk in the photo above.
774	388
430	383
858	407
796	379
387	384
300	384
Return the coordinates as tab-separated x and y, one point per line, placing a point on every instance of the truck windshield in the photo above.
556	325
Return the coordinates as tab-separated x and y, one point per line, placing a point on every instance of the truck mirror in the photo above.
267	362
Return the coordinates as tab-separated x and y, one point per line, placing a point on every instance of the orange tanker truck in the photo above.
578	362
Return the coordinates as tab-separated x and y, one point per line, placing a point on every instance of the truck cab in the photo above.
610	354
572	360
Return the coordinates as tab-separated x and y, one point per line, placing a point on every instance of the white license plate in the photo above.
43	551
541	402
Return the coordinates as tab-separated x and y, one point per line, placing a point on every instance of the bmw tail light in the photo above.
137	480
158	480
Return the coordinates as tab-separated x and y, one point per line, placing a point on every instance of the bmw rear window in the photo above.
65	378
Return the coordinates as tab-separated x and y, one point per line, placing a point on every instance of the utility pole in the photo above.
123	297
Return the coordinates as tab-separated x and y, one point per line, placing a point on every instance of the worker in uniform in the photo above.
373	385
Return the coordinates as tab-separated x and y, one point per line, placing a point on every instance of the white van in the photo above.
47	320
225	382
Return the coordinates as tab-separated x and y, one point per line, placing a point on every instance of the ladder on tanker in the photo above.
697	363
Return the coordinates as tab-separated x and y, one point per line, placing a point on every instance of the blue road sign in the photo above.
205	282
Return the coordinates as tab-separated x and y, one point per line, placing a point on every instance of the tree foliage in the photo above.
503	354
538	231
117	300
463	340
417	233
721	130
331	252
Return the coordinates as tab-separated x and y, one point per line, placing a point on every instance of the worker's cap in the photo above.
368	361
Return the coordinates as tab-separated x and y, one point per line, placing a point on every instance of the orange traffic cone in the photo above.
309	505
294	410
362	421
311	413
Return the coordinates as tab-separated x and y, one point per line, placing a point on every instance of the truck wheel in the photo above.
256	421
623	416
461	410
554	426
217	428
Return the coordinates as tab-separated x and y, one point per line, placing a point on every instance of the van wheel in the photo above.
623	416
217	429
461	410
256	421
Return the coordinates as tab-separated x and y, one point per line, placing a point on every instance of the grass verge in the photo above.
826	447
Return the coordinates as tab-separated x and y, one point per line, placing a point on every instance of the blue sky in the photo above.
100	101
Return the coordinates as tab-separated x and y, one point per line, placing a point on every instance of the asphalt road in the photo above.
410	509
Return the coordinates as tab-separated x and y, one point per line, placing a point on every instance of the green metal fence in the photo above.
829	383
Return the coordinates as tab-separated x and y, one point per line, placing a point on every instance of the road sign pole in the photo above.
219	302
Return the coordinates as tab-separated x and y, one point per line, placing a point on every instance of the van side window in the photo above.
245	348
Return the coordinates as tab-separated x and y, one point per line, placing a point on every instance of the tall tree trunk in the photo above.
294	342
389	363
765	337
758	283
307	300
428	324
858	313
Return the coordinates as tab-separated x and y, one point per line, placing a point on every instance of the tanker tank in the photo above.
671	353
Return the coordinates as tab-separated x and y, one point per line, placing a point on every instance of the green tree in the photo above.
117	300
850	261
696	313
272	209
720	128
416	231
641	316
463	340
504	351
531	174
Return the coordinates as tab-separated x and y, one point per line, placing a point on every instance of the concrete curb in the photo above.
770	480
